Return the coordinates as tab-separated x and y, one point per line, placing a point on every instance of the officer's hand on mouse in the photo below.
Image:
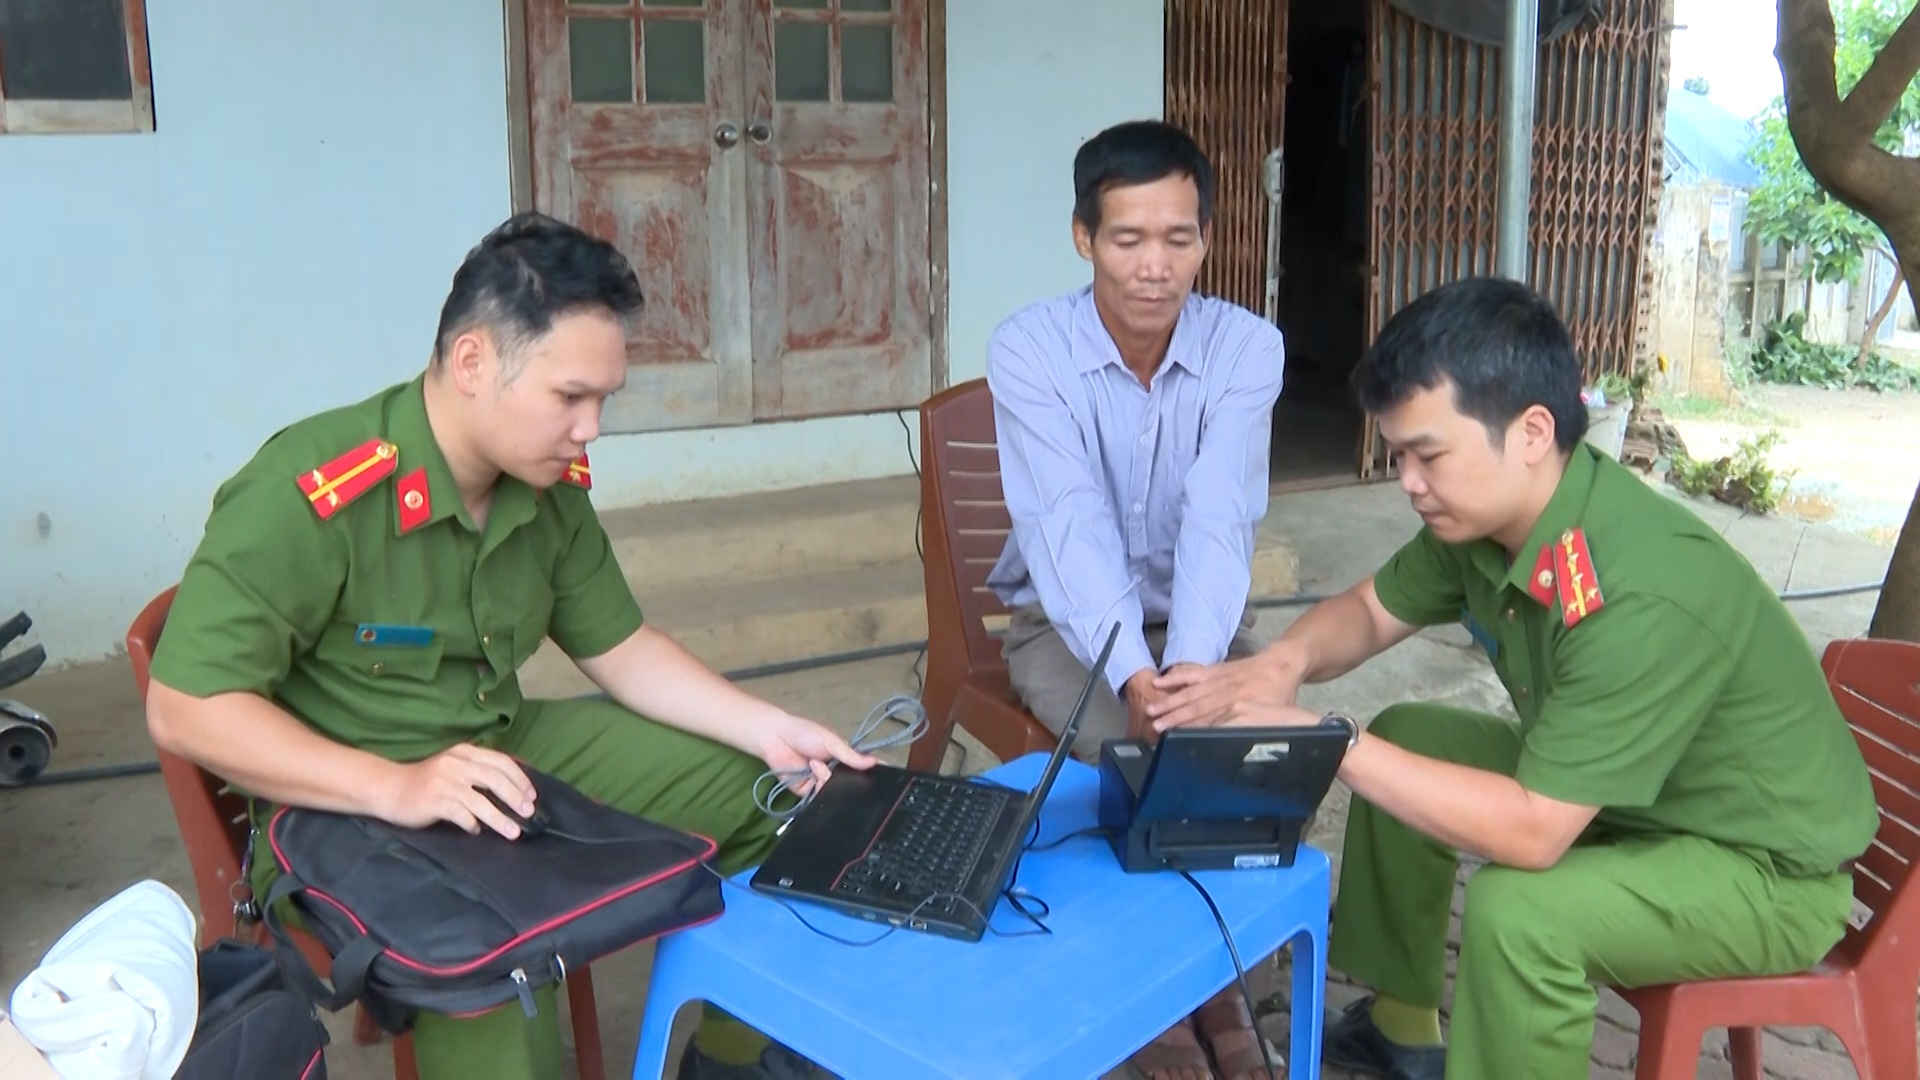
796	747
446	787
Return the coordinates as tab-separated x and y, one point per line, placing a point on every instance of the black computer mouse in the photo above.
533	825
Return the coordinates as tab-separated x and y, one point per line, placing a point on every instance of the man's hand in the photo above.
1139	694
1193	696
805	750
441	788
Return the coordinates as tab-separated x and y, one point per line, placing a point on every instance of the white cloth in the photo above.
116	998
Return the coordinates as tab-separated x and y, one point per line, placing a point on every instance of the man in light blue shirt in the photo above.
1133	419
1133	422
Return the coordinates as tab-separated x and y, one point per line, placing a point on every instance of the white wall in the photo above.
1027	83
283	241
280	244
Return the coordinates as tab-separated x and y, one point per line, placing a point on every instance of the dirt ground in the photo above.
1854	454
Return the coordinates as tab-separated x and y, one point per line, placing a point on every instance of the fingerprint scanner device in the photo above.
1227	798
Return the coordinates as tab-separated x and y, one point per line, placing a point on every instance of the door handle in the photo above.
726	136
759	132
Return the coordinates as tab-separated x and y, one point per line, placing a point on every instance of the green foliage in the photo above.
1789	207
1743	478
1738	363
1784	355
1616	387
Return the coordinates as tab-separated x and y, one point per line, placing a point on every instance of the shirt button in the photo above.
482	695
1137	507
1509	614
378	667
485	639
1145	439
1523	691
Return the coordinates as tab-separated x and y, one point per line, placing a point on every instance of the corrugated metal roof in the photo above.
1707	141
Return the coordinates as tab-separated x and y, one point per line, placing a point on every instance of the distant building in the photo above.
1713	281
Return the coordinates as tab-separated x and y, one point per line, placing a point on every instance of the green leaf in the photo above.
1789	207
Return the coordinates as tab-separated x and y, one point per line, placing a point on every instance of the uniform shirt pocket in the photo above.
343	646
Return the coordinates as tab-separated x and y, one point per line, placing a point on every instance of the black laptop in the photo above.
919	850
1225	798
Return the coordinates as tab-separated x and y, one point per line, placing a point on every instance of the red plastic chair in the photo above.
213	825
965	526
1865	991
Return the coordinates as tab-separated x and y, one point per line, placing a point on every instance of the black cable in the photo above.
1838	590
76	776
851	656
1091	830
1239	970
918	547
1296	600
572	839
919	544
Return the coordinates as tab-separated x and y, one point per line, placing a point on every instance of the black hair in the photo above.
529	271
1132	153
1498	342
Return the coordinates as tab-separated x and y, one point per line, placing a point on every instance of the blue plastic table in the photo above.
1129	955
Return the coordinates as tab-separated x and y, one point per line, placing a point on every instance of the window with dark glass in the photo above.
74	66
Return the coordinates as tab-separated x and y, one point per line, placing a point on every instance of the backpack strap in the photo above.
350	965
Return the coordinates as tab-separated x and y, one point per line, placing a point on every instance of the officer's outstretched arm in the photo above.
655	676
1332	638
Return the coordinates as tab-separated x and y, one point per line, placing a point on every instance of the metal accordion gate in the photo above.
1226	72
1599	122
1432	113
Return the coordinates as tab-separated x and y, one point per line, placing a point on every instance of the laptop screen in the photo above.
1038	795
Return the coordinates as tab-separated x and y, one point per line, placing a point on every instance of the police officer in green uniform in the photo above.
347	634
1681	798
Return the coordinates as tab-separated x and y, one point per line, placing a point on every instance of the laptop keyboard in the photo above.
928	846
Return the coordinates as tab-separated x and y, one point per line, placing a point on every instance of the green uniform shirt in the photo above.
398	642
1689	702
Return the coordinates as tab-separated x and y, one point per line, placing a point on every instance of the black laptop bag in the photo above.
251	1024
441	920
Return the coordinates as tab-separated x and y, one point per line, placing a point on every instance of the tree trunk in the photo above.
1897	615
1880	316
1834	136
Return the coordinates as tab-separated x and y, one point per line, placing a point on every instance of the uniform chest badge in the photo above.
1479	634
579	472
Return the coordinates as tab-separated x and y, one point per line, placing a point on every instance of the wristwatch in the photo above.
1348	722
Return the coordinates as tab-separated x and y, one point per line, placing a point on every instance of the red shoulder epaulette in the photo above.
347	477
579	472
1573	569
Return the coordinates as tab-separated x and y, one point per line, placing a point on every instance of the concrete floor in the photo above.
67	847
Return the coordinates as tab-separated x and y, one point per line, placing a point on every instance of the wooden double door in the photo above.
764	164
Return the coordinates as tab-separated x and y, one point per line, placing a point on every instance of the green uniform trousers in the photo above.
1615	911
608	753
